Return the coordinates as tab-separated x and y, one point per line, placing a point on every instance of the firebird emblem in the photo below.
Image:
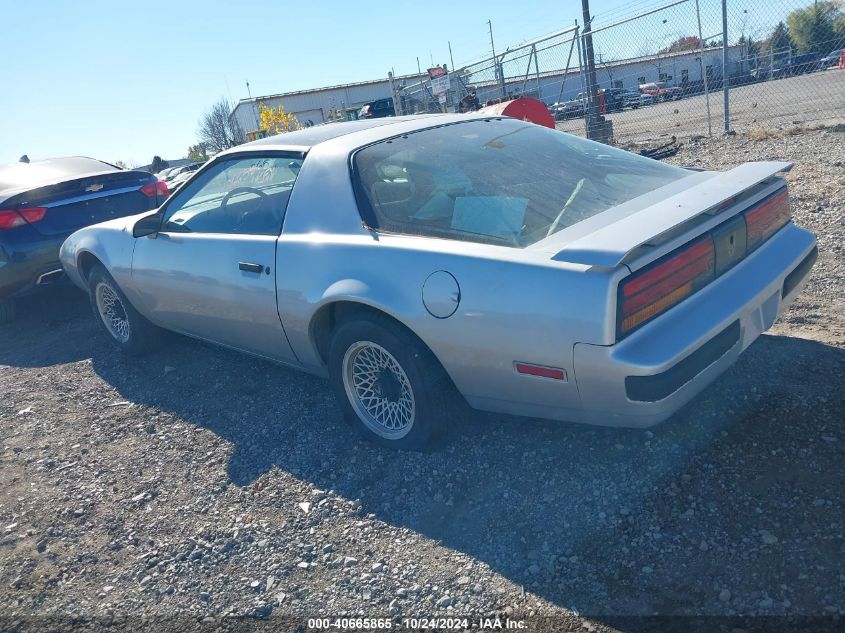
94	187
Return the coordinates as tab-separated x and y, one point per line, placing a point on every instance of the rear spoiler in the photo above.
610	246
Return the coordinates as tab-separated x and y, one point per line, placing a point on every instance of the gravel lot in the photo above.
202	483
815	98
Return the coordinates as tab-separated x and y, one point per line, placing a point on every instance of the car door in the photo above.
208	272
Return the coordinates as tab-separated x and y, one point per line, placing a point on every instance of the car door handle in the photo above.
251	268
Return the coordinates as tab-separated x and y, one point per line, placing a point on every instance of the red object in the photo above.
655	289
602	103
155	187
523	108
766	218
842	59
10	218
539	370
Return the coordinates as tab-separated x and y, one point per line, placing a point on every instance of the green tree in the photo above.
197	153
750	47
683	43
158	164
814	28
779	42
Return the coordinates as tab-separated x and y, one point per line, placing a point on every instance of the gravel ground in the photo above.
811	99
202	483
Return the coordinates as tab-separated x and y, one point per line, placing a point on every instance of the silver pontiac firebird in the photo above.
411	259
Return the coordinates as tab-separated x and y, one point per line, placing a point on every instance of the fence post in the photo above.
702	69
583	83
396	105
593	117
725	76
568	60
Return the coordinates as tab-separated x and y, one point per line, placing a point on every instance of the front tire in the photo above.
123	324
390	387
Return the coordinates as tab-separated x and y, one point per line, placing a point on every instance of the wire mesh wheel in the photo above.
112	312
378	390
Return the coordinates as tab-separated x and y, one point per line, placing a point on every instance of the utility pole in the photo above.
254	106
725	78
594	118
499	78
451	60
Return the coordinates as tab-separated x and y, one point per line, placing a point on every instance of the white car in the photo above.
408	258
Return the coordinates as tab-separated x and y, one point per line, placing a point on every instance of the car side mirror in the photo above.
148	225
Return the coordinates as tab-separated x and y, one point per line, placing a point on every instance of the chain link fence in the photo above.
664	71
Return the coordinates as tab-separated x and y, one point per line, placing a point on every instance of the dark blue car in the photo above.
44	201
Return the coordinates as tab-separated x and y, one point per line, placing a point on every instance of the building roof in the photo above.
303	140
370	82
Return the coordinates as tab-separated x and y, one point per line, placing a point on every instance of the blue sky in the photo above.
124	81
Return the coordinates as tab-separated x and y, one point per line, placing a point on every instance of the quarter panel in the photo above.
514	306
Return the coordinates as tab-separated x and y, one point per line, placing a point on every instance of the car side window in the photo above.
239	196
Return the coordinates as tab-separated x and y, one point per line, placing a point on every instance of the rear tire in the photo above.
7	310
390	387
123	324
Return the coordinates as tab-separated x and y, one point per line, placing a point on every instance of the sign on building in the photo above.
440	85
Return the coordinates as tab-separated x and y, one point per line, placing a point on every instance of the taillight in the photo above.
656	288
11	218
155	188
766	218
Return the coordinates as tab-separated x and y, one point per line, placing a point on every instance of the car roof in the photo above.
21	176
307	138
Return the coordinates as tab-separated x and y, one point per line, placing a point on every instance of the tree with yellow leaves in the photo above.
276	120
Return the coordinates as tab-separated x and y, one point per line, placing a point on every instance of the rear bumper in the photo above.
645	378
23	263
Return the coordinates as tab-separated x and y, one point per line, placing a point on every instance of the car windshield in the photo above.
498	182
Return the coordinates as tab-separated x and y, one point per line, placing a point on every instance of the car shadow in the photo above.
52	326
737	492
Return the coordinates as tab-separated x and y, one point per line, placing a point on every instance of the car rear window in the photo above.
498	181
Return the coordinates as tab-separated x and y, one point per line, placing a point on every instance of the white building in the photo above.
676	69
320	105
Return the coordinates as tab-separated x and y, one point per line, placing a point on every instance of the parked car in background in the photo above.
377	109
44	201
175	172
614	100
165	172
631	99
673	93
569	109
656	89
181	177
797	65
647	100
527	270
831	60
